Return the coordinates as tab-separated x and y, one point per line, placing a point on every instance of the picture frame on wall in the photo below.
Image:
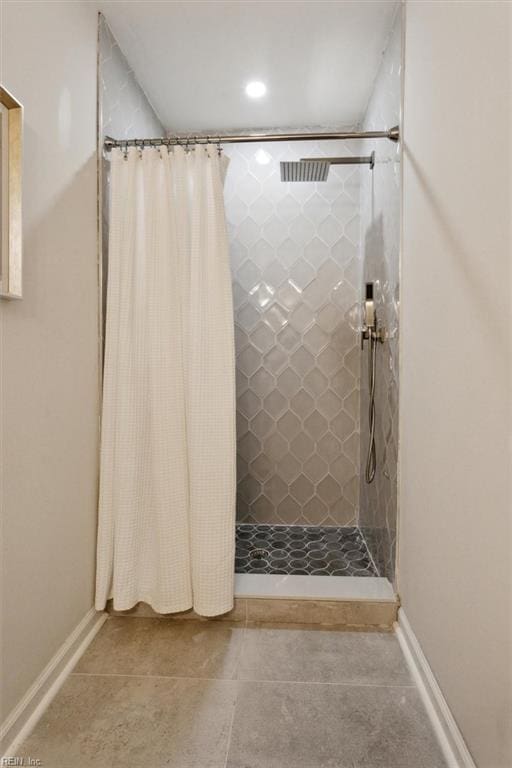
11	128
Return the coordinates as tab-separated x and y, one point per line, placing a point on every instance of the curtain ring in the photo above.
153	144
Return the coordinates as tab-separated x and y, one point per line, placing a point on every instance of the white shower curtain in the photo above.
167	482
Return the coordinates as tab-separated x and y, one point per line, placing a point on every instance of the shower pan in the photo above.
302	550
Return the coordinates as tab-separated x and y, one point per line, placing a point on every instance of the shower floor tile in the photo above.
306	550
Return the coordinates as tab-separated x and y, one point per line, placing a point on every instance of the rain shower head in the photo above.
317	168
304	170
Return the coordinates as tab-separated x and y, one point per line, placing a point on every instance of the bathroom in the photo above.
256	383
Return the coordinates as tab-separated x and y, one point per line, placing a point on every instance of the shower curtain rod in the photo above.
393	135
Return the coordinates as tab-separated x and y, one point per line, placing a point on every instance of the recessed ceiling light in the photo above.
262	157
255	89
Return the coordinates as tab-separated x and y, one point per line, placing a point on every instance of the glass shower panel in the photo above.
296	273
380	248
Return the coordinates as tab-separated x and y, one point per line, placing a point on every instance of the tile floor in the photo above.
191	694
302	549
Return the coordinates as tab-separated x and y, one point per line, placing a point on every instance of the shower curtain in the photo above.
167	478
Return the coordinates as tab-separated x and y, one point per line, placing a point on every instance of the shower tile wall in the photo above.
124	113
296	274
380	212
125	110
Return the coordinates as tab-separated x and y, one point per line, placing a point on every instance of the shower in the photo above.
296	273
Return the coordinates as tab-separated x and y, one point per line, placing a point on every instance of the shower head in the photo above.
304	170
317	168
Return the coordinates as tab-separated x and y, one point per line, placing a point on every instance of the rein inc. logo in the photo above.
20	761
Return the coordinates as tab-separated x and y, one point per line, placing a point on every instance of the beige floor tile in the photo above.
357	613
307	725
143	609
123	722
325	657
143	646
316	627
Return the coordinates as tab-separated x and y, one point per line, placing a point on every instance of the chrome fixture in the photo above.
317	168
371	327
393	134
373	332
304	170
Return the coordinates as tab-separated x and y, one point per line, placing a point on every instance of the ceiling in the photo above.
318	59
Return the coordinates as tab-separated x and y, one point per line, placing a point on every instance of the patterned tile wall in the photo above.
124	113
296	273
124	108
380	212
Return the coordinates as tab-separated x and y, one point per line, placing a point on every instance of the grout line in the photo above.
235	704
240	651
237	682
334	685
230	731
153	677
240	680
370	556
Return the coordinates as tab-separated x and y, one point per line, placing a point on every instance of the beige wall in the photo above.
455	534
49	375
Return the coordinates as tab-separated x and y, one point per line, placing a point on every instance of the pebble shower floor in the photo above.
306	550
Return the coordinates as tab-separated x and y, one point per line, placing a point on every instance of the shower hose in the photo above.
371	461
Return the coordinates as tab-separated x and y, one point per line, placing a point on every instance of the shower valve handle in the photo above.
371	328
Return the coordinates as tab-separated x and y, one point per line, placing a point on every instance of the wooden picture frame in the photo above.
11	128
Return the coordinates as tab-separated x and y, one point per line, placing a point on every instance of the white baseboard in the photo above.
447	731
25	715
27	712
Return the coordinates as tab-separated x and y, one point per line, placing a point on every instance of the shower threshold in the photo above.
292	587
306	563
